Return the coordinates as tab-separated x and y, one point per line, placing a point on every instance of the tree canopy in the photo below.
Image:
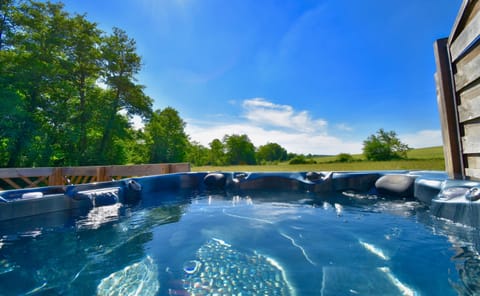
384	146
69	91
239	149
166	138
271	152
67	88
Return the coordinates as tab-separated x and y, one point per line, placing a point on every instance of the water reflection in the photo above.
106	247
140	278
100	216
468	266
69	261
465	242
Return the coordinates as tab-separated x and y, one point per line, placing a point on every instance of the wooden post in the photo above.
448	111
56	177
102	174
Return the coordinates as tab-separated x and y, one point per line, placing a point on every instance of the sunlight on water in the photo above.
248	218
406	291
374	250
99	216
294	243
226	245
140	278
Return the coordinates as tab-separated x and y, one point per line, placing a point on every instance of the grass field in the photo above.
418	159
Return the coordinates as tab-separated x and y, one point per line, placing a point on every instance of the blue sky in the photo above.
314	76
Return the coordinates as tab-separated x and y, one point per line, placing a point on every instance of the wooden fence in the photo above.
458	92
17	178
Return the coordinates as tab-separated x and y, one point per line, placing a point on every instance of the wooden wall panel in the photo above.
474	160
473	173
471	140
467	36
468	69
463	51
469	108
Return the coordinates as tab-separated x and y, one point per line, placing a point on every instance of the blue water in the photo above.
261	243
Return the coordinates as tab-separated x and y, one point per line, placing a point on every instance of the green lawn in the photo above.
426	153
418	159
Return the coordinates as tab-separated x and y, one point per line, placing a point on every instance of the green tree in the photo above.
166	137
217	153
53	110
384	146
7	24
197	154
35	73
120	65
239	149
83	56
271	152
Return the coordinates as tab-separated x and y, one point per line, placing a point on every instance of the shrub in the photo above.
344	157
384	146
301	159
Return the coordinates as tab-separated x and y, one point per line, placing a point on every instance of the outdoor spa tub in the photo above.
242	233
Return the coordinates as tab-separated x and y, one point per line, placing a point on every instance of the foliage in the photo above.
301	159
403	164
239	149
422	161
217	153
384	146
166	138
197	154
136	148
54	113
271	152
69	90
344	157
291	155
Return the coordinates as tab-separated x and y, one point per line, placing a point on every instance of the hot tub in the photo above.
244	233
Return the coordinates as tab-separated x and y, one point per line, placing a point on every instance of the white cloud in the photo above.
264	113
264	121
423	138
294	142
344	127
135	120
297	131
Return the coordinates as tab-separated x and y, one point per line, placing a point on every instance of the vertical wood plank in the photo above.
56	177
448	111
101	174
